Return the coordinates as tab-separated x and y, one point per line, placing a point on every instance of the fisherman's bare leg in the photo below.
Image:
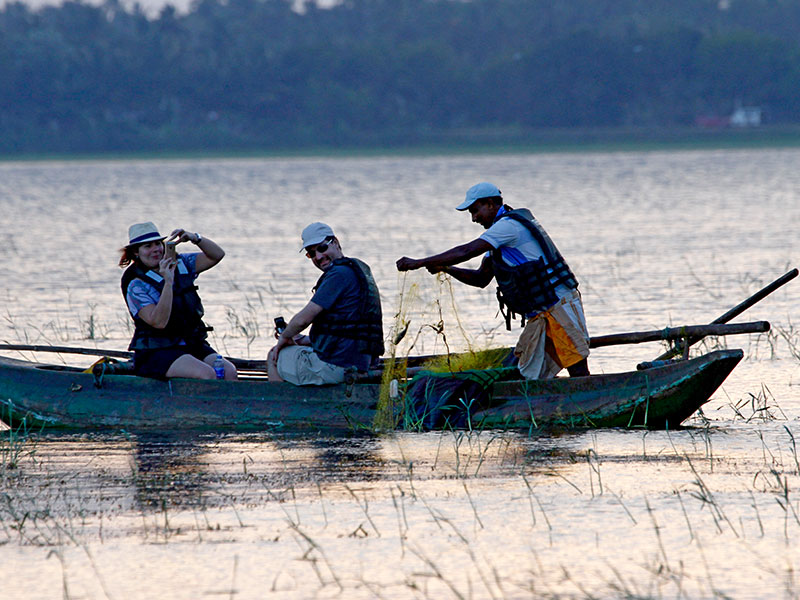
579	369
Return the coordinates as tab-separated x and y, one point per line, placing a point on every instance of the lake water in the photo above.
655	238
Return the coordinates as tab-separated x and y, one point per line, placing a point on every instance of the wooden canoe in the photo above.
35	396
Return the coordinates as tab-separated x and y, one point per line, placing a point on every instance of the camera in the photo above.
170	251
280	325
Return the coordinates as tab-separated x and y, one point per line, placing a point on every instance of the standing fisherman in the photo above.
534	281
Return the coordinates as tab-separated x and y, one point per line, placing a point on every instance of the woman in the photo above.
170	336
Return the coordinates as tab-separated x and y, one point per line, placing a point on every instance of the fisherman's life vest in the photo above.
367	327
530	287
185	321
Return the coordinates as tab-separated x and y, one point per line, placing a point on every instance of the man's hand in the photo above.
272	355
408	264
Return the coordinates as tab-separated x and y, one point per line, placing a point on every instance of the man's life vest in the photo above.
367	327
530	287
185	321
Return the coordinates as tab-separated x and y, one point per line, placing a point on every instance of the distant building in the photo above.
712	121
742	116
746	116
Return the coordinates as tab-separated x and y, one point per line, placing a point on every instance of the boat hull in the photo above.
40	396
657	398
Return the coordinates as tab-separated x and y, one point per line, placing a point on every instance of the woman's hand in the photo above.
166	268
183	236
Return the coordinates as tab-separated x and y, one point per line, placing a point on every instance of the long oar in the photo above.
735	311
67	350
639	337
240	363
677	333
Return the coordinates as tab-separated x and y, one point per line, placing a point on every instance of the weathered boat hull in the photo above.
657	398
41	396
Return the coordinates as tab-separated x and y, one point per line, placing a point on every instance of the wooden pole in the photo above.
735	311
67	350
677	333
617	339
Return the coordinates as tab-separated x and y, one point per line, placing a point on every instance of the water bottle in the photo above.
219	366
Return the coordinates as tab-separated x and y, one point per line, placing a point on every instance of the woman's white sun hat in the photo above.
141	233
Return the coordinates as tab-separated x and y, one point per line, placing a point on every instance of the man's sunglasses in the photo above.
311	251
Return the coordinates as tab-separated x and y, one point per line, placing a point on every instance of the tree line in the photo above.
260	74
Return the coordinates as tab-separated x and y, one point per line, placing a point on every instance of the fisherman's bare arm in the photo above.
455	255
480	277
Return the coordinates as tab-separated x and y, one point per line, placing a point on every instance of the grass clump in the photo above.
490	358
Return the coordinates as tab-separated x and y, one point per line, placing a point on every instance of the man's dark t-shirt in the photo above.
339	296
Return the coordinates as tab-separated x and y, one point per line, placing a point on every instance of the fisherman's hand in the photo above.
408	264
438	269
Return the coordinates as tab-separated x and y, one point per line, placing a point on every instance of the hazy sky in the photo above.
151	7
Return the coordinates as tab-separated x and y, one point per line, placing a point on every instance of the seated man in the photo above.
344	314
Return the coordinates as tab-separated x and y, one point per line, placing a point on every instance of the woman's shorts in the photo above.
156	363
300	365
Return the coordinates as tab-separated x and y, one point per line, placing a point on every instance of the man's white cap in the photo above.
478	191
314	234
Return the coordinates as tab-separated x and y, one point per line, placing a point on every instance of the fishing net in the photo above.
445	380
450	400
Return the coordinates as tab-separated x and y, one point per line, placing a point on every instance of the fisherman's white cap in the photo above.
478	191
141	233
316	233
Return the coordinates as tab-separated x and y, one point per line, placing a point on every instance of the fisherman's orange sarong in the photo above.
554	339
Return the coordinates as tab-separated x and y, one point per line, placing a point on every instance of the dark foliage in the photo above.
257	74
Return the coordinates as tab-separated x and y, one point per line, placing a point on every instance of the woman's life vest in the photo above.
367	326
185	321
530	287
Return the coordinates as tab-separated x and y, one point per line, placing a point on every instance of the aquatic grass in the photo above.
791	335
402	520
245	326
593	461
762	407
364	508
531	497
310	553
387	413
489	358
15	444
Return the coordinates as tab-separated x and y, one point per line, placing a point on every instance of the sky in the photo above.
151	7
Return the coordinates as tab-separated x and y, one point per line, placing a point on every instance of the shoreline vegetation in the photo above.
364	77
478	141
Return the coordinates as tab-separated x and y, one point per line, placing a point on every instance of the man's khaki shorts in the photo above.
300	365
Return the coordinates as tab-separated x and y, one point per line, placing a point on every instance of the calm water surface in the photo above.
656	239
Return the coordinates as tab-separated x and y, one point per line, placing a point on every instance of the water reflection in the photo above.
190	469
169	470
151	472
